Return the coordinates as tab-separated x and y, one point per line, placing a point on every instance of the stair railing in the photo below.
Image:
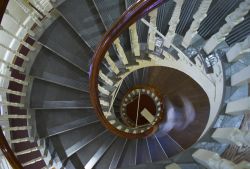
127	21
129	17
4	145
134	13
8	153
37	12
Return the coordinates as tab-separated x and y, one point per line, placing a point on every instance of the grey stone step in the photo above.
109	158
169	145
62	104
49	123
84	19
129	154
96	149
51	96
50	67
156	150
143	154
68	143
61	39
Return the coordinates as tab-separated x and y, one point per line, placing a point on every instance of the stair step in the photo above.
129	154
114	151
69	46
68	143
143	153
50	67
156	150
224	121
100	153
32	161
72	125
170	146
91	27
59	95
118	155
72	104
27	151
51	96
21	140
49	124
212	146
80	85
100	143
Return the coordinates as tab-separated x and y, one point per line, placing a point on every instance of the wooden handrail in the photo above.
3	5
8	153
4	146
130	16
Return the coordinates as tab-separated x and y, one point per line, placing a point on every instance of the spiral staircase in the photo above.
92	82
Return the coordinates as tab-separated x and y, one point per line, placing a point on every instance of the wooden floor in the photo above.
173	84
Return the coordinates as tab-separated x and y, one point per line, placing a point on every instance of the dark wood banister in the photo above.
135	12
8	153
3	5
4	145
130	16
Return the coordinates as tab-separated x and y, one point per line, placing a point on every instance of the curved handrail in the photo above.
4	145
8	153
130	16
